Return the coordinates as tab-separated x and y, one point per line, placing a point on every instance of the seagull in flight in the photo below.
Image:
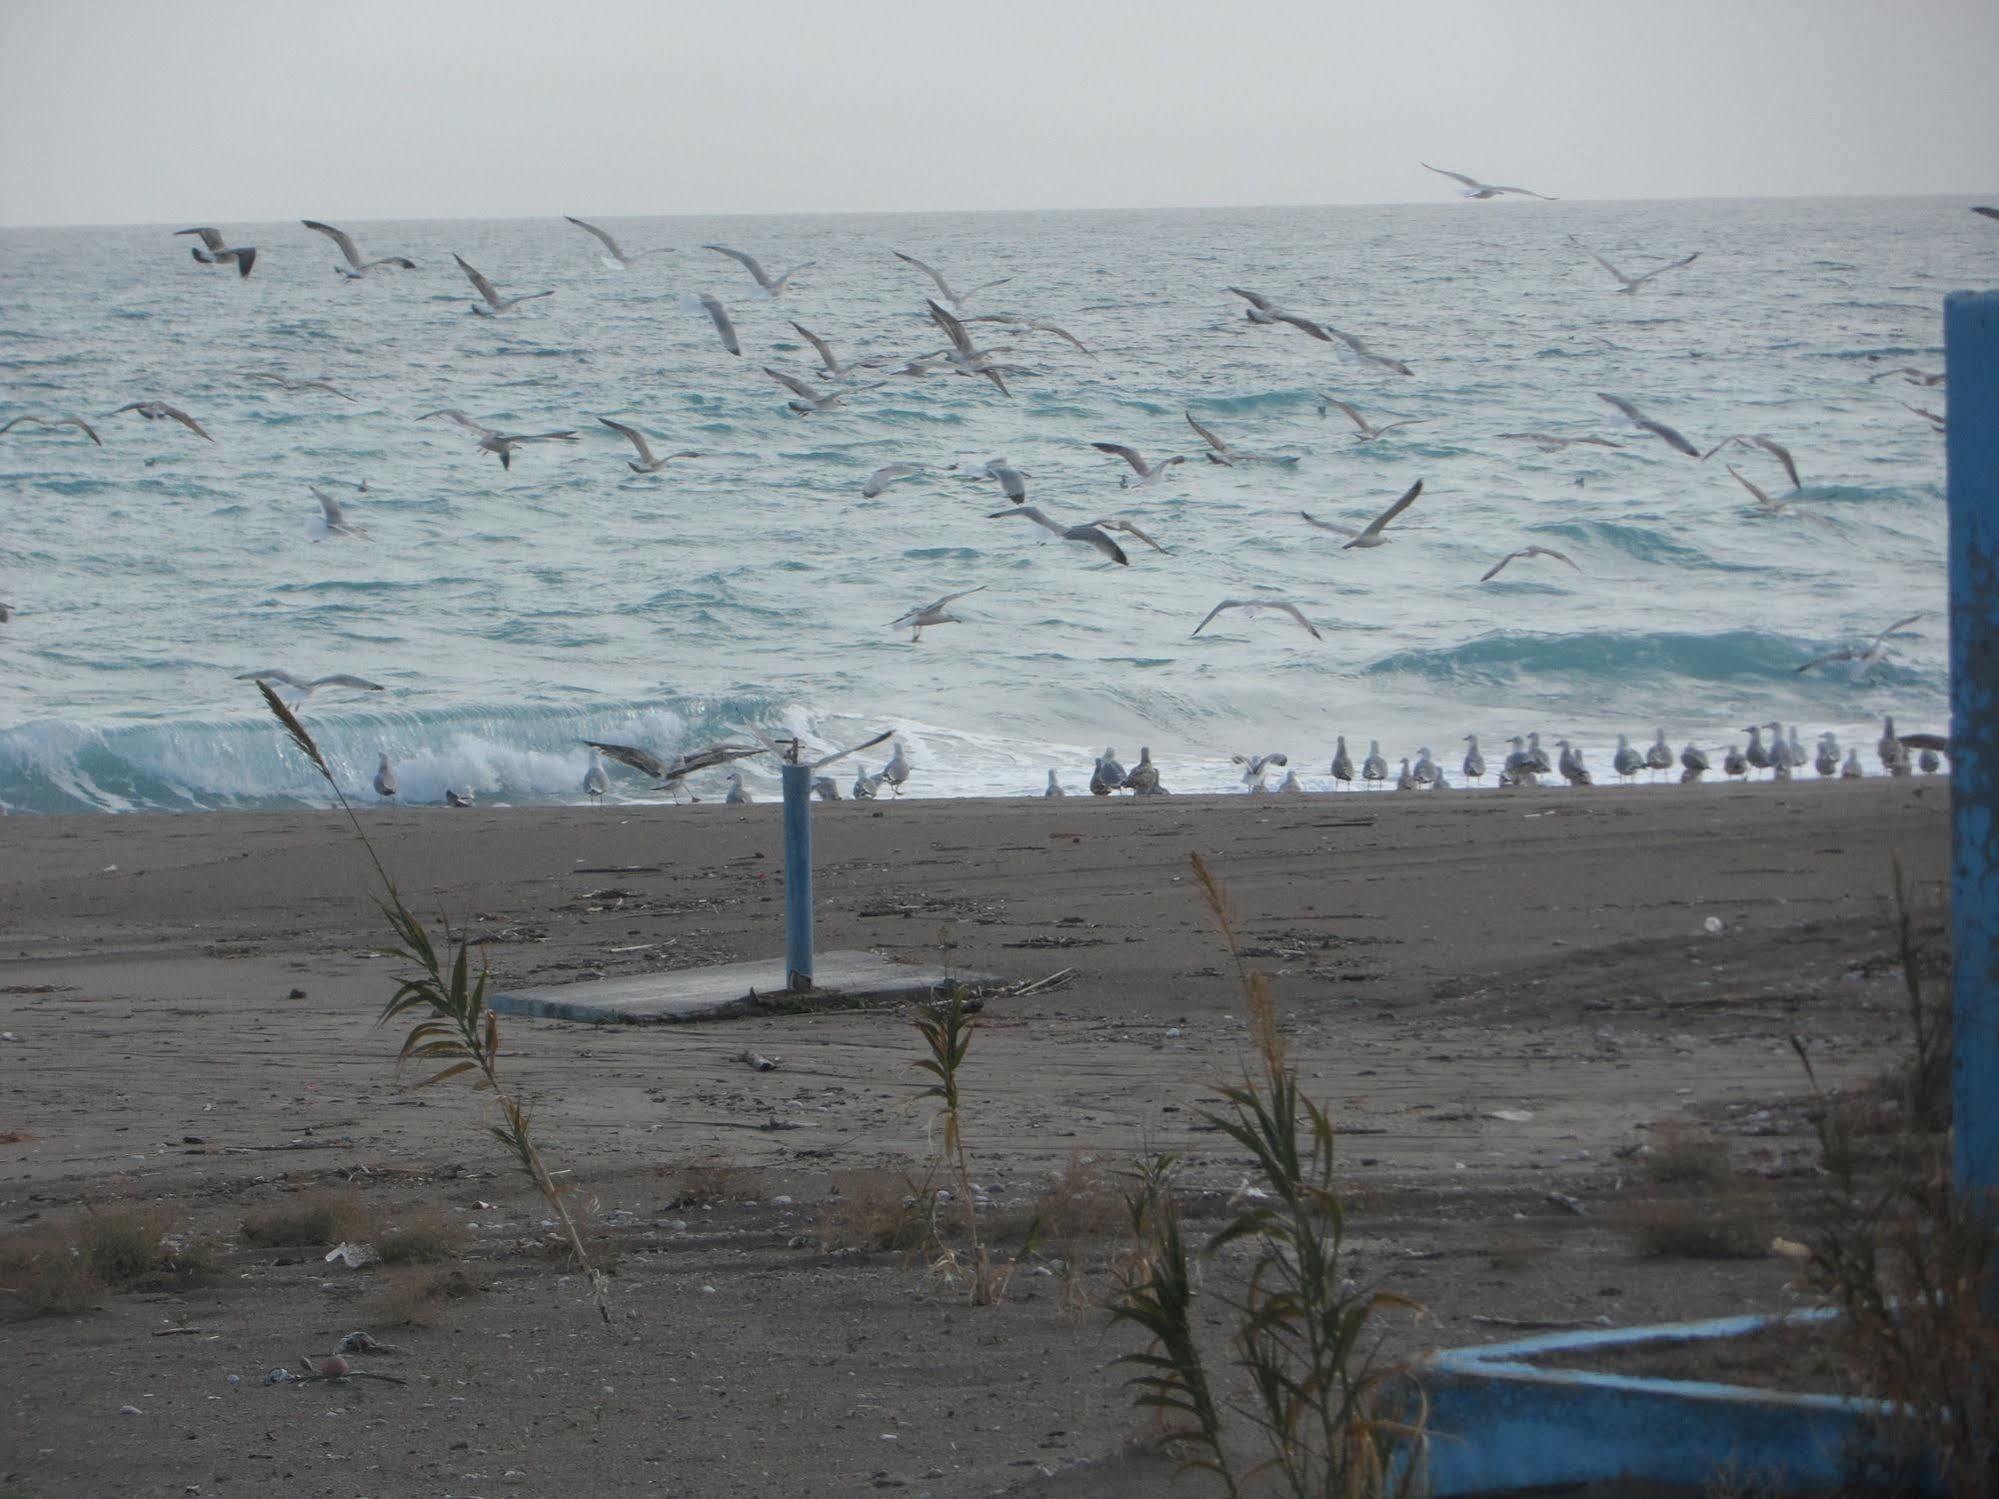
332	520
154	411
304	688
646	463
1368	430
956	299
1990	213
287	384
65	421
1371	534
614	255
1012	481
1252	607
719	315
933	614
774	285
1911	375
807	399
966	358
1874	651
1500	566
1476	189
1017	325
888	474
680	767
1146	472
828	358
1632	283
1263	310
495	303
1549	442
1227	456
502	443
1769	445
1669	436
214	250
356	267
1089	534
1364	350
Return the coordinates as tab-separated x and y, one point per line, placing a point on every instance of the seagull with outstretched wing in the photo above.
1369	535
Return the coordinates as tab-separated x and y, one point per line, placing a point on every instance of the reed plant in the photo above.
1331	1417
444	1002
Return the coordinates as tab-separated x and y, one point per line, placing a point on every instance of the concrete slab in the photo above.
839	978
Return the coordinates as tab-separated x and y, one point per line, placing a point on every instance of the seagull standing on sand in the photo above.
613	254
154	411
1425	769
1694	763
919	618
215	250
1473	188
596	781
1627	762
1659	756
1827	763
385	778
1374	768
1851	770
774	285
356	267
1757	756
1107	776
1669	436
1342	766
1404	781
1143	778
1254	606
1532	551
956	299
1089	535
1474	766
646	463
1222	453
495	304
737	796
897	770
1370	535
503	443
826	788
1632	283
1054	786
865	786
1368	431
1734	763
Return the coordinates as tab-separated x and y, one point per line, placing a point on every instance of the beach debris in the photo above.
360	1342
280	1375
1712	926
130	1410
1567	1204
1511	1116
1541	1324
760	1062
353	1256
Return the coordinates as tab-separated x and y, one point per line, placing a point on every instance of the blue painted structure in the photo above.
1498	1421
797	780
1971	360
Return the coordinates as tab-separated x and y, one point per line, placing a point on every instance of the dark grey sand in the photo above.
1437	958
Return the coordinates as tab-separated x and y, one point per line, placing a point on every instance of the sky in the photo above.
148	111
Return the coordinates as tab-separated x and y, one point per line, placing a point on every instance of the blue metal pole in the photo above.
1971	360
797	875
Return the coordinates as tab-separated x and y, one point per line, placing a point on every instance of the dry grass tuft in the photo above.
1688	1158
313	1218
879	1211
1706	1229
415	1295
65	1270
698	1186
423	1240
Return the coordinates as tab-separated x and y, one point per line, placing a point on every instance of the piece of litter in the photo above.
353	1256
1568	1204
1511	1116
1790	1249
130	1410
760	1063
1712	925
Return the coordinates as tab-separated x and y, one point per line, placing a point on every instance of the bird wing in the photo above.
462	419
1255	299
479	283
400	260
1846	655
1498	567
1454	176
272	674
973	291
1326	525
930	271
82	426
1034	514
328	505
632	435
643	761
1898	625
1100	540
1990	213
953	329
1551	552
1208	437
1117	523
1670	436
183	418
598	234
1224	604
1063	333
1525	192
1782	454
794	384
340	237
1408	498
1304	323
209	237
855	749
704	759
567	436
1407	421
1298	614
747	262
1660	270
1631	411
1129	455
343	679
1352	415
1599	260
825	350
952	598
994	376
1761	497
723	326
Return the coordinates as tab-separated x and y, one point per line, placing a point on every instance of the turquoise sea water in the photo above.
510	614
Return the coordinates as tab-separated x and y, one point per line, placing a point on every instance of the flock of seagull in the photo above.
963	355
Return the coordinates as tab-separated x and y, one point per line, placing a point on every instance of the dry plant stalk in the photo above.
453	1025
1334	1419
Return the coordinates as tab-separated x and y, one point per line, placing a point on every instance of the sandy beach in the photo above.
1502	999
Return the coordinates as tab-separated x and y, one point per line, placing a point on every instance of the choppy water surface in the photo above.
511	613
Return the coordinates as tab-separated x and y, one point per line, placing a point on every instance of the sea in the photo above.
511	613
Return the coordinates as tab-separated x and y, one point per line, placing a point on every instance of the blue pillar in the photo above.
1971	358
798	875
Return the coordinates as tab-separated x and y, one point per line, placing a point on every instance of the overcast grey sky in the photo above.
141	111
